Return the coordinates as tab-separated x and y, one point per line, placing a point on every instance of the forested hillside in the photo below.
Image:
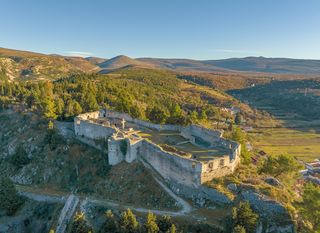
155	95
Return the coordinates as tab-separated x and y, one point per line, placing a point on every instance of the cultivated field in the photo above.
303	143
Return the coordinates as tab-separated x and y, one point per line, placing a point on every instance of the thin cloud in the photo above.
235	51
78	54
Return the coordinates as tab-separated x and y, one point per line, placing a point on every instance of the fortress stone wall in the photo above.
85	126
207	135
173	167
170	166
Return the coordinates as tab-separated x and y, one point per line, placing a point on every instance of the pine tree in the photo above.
194	116
151	224
59	106
49	109
239	229
310	206
76	108
20	157
238	119
80	225
89	102
244	216
172	229
156	115
110	225
128	222
203	115
164	223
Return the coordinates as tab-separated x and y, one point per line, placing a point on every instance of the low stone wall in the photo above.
170	166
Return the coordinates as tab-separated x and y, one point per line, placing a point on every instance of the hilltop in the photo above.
29	65
122	62
225	72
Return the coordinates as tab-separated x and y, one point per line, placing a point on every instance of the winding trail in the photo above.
58	198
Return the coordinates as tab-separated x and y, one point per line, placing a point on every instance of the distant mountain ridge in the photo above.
247	64
24	64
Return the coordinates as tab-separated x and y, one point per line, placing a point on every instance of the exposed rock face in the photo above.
272	181
200	196
232	187
274	218
25	175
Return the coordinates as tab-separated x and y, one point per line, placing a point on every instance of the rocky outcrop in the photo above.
274	217
201	196
272	181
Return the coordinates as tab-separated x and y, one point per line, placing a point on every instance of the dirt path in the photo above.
186	207
53	197
43	197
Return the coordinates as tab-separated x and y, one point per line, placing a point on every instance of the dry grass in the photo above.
304	144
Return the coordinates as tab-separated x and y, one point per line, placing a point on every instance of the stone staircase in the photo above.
67	213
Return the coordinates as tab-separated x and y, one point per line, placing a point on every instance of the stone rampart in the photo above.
170	166
207	135
218	167
112	114
92	130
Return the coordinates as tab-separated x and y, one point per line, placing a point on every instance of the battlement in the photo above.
189	155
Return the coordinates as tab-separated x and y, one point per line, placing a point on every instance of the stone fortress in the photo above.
184	155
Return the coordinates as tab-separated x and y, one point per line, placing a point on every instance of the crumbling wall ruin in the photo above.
172	167
85	126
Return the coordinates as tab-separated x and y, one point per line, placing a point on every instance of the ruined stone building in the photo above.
186	155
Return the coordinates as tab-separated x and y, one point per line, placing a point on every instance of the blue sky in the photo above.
199	29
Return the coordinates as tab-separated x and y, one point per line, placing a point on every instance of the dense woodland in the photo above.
151	95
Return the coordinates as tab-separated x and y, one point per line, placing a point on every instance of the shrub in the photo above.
310	206
80	225
110	225
53	138
278	165
244	216
239	229
10	201
165	223
20	157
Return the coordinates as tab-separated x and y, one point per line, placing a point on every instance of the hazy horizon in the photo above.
206	30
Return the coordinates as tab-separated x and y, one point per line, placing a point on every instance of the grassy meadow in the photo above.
303	143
